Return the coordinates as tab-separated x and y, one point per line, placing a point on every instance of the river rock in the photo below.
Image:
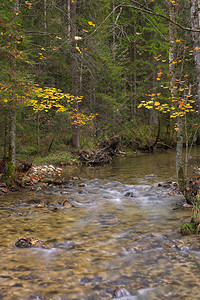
129	194
29	242
120	292
67	204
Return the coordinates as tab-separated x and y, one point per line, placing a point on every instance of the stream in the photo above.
121	231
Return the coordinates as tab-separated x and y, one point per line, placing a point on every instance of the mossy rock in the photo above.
187	228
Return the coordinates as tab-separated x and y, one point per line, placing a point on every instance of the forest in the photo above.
99	156
82	74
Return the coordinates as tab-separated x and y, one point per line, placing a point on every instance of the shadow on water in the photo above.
122	231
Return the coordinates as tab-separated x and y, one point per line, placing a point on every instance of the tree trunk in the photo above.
179	144
12	147
12	128
195	23
69	18
75	126
38	132
179	156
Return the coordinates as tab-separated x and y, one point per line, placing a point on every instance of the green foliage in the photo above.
58	158
119	56
187	228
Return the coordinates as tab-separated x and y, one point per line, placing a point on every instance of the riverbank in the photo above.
37	175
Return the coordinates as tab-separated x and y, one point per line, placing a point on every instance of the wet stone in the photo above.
66	246
67	204
29	242
5	277
21	268
28	277
43	204
23	243
36	297
185	249
17	285
86	280
98	279
129	194
120	292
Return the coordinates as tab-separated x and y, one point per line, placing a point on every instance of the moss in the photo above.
187	228
181	180
10	175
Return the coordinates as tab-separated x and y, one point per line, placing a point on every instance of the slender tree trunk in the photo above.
113	35
195	22
134	82
133	79
12	127
45	15
179	145
69	18
38	132
5	150
75	126
12	137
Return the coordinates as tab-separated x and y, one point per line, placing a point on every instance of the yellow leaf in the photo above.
138	33
77	48
92	24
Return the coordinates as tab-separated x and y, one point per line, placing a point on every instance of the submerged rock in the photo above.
43	204
67	204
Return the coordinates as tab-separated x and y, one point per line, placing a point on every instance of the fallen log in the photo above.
102	156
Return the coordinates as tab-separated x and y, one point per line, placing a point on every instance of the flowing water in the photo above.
122	231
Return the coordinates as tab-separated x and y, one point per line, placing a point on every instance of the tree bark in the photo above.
195	23
179	144
69	17
12	137
75	126
12	128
